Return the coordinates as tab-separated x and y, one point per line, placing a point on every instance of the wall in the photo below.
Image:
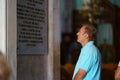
30	67
8	33
44	67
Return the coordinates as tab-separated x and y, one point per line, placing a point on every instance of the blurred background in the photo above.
105	16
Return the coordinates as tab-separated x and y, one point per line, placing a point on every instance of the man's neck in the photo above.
84	42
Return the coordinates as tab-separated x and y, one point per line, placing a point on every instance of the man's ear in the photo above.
86	35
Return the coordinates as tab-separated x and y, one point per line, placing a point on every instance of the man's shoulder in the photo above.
91	47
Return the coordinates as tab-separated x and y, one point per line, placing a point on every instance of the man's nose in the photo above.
77	33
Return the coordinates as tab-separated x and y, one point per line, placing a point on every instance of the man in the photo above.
88	66
117	73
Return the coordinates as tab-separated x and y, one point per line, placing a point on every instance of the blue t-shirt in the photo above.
90	61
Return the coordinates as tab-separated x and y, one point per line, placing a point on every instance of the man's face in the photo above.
81	35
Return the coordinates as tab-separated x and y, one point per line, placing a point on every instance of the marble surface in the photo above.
8	33
30	67
44	67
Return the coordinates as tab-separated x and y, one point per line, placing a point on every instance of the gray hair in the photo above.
90	30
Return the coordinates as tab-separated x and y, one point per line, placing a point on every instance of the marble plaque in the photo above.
32	27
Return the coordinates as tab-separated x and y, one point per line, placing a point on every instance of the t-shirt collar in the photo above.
88	44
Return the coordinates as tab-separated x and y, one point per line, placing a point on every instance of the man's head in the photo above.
86	33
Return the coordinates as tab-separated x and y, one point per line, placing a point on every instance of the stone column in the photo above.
8	33
45	66
30	67
54	40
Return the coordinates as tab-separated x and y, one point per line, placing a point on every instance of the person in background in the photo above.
65	48
4	68
88	66
117	73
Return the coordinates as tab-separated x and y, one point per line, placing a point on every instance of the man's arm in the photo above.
80	75
117	73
